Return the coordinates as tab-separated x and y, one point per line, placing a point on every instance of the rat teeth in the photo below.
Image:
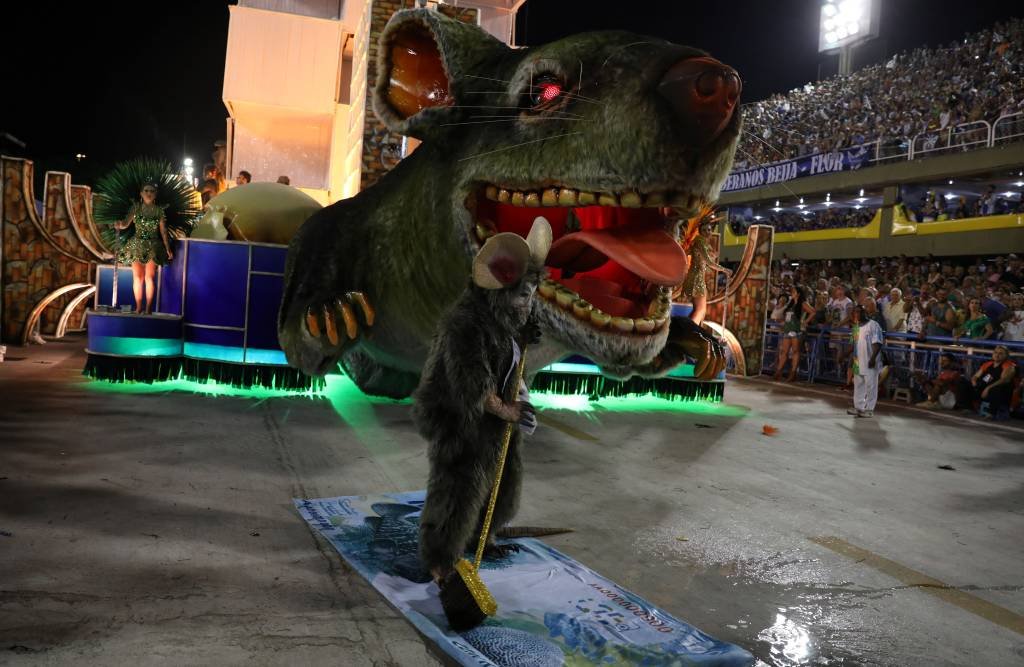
565	297
623	324
655	199
547	288
566	197
631	200
644	325
599	318
581	309
483	232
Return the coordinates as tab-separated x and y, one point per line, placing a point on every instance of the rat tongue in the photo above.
647	251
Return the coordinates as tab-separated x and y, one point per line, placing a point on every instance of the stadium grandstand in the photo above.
901	191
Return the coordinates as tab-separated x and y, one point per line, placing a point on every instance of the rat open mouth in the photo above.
615	257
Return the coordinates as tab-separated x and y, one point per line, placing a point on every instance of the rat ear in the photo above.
423	61
501	262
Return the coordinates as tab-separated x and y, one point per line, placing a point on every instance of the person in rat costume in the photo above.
467	396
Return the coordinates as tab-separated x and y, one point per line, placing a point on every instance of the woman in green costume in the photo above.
147	247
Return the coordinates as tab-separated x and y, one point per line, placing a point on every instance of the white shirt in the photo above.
1014	331
868	334
895	317
840	307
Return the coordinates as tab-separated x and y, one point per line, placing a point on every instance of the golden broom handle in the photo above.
507	439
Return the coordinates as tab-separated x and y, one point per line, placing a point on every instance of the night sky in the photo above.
116	84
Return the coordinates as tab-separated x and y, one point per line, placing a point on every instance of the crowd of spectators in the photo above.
978	298
948	301
976	78
935	206
788	221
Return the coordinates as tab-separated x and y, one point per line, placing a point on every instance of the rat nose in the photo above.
703	94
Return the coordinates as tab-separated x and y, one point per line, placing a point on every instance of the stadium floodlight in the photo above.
844	24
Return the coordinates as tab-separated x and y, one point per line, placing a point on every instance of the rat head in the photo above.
612	136
509	269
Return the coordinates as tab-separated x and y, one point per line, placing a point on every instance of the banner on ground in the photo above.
846	159
551	610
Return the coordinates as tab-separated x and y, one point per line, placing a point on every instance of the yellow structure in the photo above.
295	85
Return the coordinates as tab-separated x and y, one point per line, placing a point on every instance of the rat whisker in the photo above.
525	143
513	119
762	164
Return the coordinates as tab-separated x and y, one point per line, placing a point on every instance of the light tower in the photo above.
843	24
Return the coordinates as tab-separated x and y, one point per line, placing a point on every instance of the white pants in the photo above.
865	389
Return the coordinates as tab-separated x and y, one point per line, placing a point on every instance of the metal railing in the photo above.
822	352
1007	127
892	150
962	137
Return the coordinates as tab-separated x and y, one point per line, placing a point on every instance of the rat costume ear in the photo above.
423	63
501	262
503	259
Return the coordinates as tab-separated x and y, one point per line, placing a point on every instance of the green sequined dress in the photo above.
145	245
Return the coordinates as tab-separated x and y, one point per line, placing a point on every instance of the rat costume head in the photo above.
510	268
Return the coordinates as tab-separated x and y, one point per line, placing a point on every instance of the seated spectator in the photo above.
284	180
993	383
949	389
243	178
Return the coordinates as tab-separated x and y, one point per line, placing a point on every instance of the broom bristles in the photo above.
465	599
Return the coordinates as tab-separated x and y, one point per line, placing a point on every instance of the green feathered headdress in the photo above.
118	192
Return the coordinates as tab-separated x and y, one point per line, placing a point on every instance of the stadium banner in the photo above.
846	159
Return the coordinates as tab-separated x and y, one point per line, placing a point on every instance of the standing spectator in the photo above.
941	319
916	313
976	325
243	178
895	311
1013	326
794	322
993	383
871	310
867	345
1014	273
840	307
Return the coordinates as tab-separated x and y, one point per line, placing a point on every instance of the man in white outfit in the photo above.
867	345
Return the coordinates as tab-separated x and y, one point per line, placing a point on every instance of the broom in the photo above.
464	596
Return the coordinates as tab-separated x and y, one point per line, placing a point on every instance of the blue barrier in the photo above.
822	352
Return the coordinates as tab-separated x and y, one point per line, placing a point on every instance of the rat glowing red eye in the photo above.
549	91
544	92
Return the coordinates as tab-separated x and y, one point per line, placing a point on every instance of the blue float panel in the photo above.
269	259
216	281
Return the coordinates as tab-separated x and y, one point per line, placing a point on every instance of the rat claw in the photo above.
364	305
351	326
331	325
312	323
